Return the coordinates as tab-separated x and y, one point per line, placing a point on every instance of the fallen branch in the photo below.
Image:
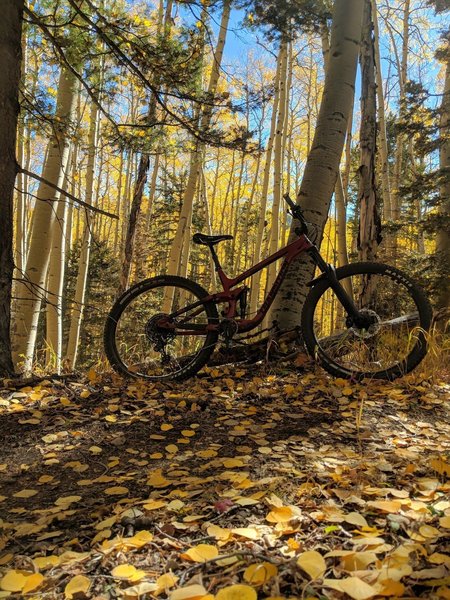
67	194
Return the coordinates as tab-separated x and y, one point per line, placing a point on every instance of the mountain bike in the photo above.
361	320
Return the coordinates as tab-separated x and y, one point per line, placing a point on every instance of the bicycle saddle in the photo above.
209	240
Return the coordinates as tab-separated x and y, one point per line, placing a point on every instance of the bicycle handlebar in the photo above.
297	213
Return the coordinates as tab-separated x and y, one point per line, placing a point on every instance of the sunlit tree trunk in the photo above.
179	251
322	165
31	288
443	232
141	179
55	284
255	288
382	136
85	251
369	233
399	151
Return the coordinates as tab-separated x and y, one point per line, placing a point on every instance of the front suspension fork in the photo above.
329	272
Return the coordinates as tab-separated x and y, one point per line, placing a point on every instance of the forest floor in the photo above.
270	482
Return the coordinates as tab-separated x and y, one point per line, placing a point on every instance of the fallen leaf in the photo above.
190	592
236	592
201	553
354	587
312	563
260	573
77	585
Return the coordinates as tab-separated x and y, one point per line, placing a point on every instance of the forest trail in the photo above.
333	490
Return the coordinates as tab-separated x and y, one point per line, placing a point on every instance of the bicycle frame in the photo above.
231	296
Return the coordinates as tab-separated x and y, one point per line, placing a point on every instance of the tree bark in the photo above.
31	288
369	232
443	234
10	60
83	266
322	165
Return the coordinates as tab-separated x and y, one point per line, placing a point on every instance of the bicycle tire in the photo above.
200	359
316	347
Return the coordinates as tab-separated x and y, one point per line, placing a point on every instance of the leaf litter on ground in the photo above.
239	484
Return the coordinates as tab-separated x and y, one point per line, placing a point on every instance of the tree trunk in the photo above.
31	289
255	284
10	59
369	232
179	251
443	233
384	164
141	180
322	165
55	284
83	267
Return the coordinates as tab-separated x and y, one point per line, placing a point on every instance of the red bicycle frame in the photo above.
231	296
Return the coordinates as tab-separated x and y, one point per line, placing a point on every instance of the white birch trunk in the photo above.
322	165
31	289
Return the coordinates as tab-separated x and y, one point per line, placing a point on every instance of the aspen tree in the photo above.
383	148
83	265
369	233
255	287
322	165
141	176
278	163
179	251
31	288
55	283
443	235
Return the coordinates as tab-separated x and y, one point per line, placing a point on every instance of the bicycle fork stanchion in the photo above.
329	272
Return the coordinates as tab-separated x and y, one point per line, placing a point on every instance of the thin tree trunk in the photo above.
179	252
10	59
369	232
31	289
141	180
83	266
443	233
55	285
255	288
322	165
383	147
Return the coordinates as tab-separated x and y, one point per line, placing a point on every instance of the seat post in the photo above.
215	258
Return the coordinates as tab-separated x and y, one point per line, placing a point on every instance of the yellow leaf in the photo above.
388	506
429	532
201	553
230	463
236	592
219	533
355	518
188	433
445	522
280	514
158	480
171	448
166	427
106	523
116	490
139	539
32	583
354	587
165	582
391	588
312	563
66	500
137	591
27	493
77	585
248	532
154	504
85	394
190	592
45	562
260	573
128	572
95	449
13	581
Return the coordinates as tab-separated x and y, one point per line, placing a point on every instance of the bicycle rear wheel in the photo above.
392	344
157	329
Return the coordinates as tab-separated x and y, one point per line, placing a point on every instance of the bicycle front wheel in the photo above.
158	329
393	341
